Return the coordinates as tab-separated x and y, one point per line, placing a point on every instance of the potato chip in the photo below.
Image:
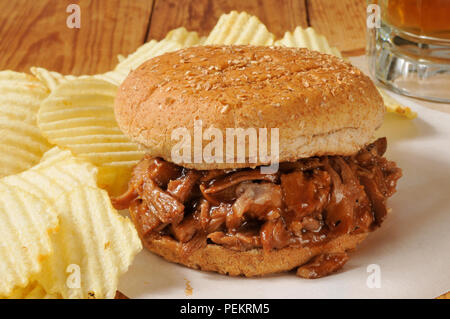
143	53
79	116
115	178
393	106
33	291
175	39
26	223
93	247
307	38
20	96
239	28
59	172
184	37
52	79
21	142
113	77
202	40
21	146
55	154
120	58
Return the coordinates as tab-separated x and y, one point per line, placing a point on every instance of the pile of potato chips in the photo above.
63	155
61	237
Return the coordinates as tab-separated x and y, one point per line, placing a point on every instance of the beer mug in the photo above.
408	46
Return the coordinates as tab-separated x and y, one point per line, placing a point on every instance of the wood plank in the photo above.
34	33
343	22
201	15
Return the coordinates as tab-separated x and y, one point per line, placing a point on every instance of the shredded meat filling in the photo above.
306	202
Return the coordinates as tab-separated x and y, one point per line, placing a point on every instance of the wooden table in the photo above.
34	32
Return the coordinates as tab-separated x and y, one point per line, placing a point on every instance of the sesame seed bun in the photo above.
321	104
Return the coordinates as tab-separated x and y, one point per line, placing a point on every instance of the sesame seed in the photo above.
224	108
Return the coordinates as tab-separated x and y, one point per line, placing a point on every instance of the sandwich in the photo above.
198	201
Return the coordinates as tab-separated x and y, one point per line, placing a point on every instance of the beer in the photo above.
430	18
409	49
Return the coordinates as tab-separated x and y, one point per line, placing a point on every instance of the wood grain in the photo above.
37	35
34	33
342	22
201	15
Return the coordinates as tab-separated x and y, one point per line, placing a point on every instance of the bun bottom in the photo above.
249	263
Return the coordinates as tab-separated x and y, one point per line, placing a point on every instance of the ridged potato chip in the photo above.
79	116
26	223
307	38
55	154
59	172
94	246
393	106
184	37
120	58
114	77
33	291
143	53
21	142
52	79
239	28
174	40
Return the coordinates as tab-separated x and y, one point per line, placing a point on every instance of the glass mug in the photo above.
408	46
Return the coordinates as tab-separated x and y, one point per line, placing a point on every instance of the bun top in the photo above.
320	104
